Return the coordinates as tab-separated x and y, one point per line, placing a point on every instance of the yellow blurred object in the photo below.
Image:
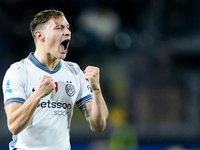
117	116
123	136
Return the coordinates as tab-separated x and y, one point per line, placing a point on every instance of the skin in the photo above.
48	52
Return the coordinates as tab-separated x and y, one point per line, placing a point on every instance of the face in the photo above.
56	37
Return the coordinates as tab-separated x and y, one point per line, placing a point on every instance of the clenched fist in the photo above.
45	85
92	76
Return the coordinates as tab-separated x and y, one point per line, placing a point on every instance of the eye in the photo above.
59	27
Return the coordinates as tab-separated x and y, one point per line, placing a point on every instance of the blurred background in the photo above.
149	55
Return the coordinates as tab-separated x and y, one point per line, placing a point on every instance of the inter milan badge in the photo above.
70	90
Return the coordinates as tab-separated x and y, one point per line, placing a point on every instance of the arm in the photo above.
19	115
95	111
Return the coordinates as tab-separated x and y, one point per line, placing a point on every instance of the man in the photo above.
40	91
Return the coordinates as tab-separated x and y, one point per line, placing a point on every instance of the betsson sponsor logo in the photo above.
56	105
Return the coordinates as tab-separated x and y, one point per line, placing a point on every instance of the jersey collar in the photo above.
41	66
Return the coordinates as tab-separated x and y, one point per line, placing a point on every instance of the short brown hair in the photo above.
42	17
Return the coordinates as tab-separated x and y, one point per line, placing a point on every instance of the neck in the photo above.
46	59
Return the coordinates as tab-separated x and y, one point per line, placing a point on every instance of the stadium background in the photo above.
149	55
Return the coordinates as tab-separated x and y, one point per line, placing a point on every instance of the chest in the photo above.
66	90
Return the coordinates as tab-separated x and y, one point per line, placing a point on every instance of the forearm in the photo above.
99	112
19	119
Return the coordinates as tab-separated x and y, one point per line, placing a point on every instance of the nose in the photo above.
67	32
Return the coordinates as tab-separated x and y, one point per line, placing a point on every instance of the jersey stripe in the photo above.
14	99
83	100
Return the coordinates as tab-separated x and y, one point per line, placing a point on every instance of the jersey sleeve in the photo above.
85	94
12	86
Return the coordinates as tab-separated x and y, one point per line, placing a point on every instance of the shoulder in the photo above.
15	74
72	66
17	67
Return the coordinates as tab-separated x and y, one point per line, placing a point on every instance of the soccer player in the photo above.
40	91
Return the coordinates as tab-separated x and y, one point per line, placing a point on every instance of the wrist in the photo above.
96	91
96	88
37	95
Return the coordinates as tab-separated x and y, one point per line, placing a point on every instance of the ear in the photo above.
40	36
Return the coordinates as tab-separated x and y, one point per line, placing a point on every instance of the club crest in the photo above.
70	90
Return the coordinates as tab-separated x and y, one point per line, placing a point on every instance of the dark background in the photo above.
149	55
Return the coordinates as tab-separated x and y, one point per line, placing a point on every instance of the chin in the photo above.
63	56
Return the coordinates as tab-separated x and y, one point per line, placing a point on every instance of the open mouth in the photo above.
65	44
